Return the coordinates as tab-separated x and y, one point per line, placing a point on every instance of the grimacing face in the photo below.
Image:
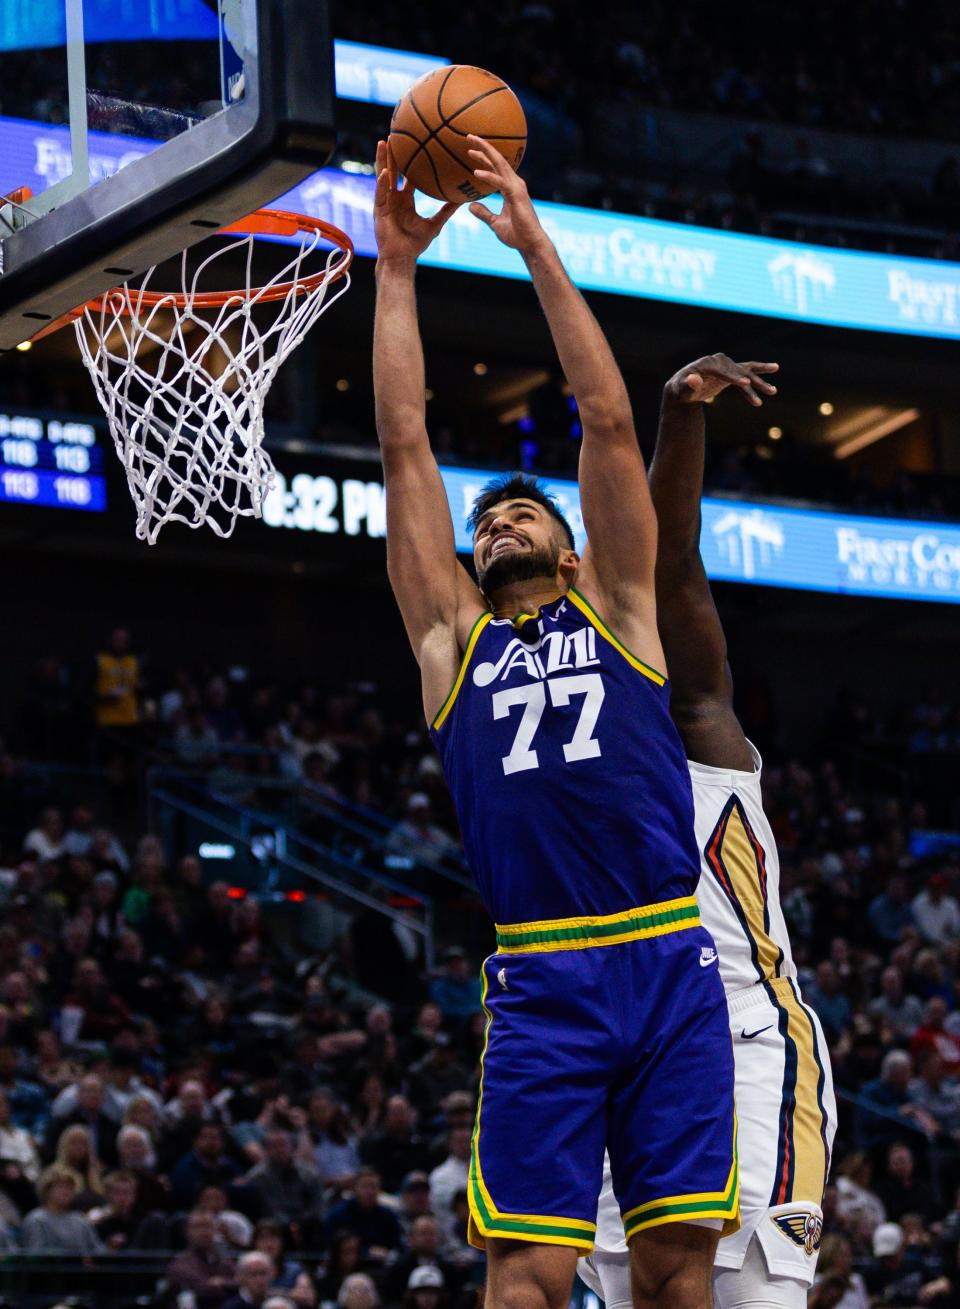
515	540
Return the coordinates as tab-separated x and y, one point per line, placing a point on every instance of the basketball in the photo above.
430	126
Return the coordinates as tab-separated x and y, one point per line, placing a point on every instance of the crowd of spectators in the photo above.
177	1085
701	58
587	76
183	1085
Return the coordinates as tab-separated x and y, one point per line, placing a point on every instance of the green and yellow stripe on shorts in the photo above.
723	1205
611	929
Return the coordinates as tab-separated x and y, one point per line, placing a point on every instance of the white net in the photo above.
183	385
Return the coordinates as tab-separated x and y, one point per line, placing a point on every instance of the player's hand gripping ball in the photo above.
430	126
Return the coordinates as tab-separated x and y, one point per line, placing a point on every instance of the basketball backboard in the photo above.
137	129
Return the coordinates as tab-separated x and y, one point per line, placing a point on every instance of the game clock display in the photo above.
51	462
326	504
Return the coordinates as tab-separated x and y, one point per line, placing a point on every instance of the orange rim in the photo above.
265	222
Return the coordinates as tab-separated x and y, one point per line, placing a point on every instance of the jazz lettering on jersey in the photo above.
550	670
555	652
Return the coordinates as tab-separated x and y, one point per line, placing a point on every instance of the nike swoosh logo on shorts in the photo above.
707	956
748	1036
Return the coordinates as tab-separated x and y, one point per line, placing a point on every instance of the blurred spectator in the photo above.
832	1006
900	1191
457	992
896	1276
54	1228
201	1268
346	1252
452	1176
46	840
837	1284
929	978
121	1086
89	1114
54	1071
329	1145
397	1149
207	1164
426	1289
358	1291
75	1152
117	1222
936	1095
17	1150
418	836
415	1201
182	1118
857	1205
102	1012
890	913
29	1109
375	1224
425	1243
932	1035
937	914
421	1038
234	1229
117	684
887	1095
135	1155
903	1013
435	1076
290	1278
255	1273
283	1187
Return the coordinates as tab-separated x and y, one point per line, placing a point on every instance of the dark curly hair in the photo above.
518	486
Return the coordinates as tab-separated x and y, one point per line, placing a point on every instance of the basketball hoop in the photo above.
185	401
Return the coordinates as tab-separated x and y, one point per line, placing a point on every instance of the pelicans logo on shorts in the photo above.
804	1229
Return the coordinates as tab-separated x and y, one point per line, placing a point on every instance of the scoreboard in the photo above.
51	462
331	508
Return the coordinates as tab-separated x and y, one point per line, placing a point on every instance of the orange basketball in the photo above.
430	125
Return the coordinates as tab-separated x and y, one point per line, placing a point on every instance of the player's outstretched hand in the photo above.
401	232
707	377
517	224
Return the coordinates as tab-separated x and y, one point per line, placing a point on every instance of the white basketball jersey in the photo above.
739	891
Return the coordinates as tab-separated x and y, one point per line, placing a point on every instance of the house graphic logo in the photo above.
802	279
748	540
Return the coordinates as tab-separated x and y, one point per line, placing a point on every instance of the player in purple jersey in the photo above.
572	790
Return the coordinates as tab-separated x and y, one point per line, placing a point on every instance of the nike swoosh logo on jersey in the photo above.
707	956
748	1036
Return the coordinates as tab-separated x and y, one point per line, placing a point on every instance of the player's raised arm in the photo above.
617	512
702	693
435	596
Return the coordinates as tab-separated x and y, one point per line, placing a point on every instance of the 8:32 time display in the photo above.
326	504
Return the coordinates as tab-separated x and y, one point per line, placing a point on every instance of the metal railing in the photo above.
933	1155
272	860
354	829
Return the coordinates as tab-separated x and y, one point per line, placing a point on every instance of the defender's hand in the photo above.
517	224
402	233
707	377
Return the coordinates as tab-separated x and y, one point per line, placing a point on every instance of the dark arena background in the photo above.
239	944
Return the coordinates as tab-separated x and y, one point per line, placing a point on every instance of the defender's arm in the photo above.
701	686
617	511
435	595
